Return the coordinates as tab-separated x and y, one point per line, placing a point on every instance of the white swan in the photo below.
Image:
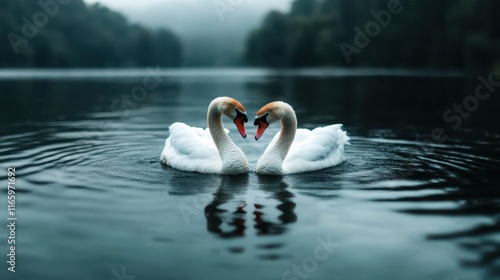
295	151
208	150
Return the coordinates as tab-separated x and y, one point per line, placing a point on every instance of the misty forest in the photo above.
428	34
461	34
83	36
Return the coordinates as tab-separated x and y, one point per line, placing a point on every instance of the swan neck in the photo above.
233	159
216	128
287	134
272	161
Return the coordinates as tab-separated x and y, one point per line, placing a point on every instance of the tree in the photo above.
81	35
462	34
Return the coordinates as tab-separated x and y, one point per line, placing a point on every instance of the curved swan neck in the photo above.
216	128
287	134
271	162
233	159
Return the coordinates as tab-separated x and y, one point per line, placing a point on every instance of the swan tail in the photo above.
343	140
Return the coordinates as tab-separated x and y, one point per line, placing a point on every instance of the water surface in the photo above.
94	199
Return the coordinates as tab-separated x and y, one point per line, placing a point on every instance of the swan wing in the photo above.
191	149
317	149
301	135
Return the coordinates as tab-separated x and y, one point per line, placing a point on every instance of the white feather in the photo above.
317	149
191	149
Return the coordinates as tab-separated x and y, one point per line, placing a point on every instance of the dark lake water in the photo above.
94	202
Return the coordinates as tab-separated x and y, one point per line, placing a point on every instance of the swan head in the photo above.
233	109
270	113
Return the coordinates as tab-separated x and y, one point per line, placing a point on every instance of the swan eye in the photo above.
261	119
241	115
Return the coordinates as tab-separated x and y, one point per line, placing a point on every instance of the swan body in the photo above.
295	150
208	150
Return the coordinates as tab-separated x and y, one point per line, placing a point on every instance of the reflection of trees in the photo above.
368	100
71	99
376	102
29	96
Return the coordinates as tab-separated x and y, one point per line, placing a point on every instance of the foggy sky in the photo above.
130	7
205	34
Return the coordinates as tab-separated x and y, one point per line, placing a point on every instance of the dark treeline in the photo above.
70	33
444	34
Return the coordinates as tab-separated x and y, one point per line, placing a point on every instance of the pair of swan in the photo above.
291	151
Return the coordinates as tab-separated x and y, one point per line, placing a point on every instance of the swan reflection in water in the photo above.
233	222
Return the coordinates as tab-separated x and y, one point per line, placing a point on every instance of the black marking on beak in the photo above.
241	115
261	119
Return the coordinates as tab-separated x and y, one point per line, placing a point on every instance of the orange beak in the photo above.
240	121
262	126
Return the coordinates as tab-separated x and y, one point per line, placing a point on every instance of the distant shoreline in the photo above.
117	73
